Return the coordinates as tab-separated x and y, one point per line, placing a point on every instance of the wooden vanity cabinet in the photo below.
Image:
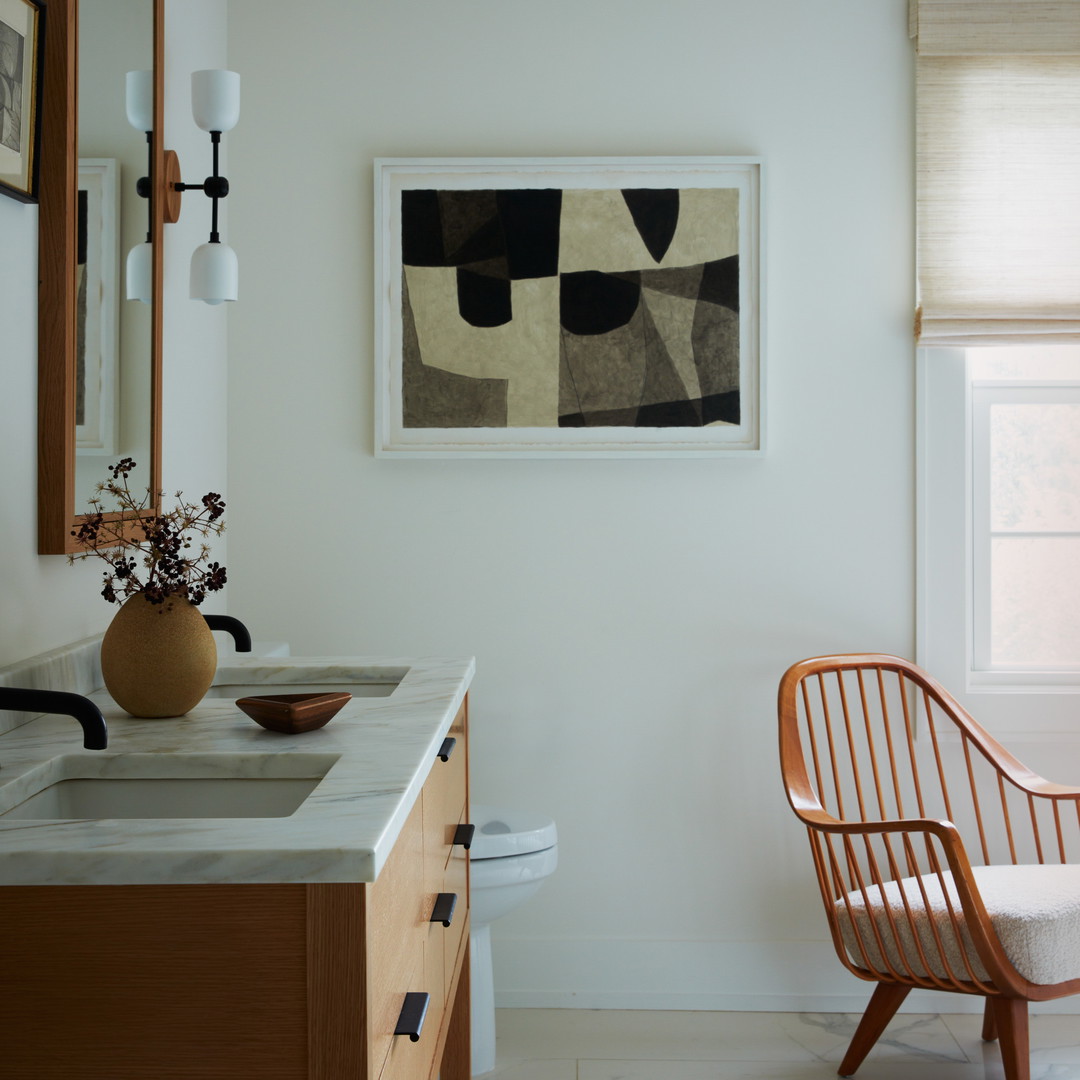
410	953
229	982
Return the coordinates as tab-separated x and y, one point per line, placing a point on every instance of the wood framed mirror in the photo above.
69	463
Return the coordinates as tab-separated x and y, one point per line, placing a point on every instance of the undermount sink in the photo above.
74	787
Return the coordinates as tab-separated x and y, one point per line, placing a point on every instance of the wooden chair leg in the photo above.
989	1029
1011	1018
886	999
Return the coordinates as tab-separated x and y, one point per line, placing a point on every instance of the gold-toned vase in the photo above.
158	659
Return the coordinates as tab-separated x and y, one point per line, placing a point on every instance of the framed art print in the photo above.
97	341
568	307
21	49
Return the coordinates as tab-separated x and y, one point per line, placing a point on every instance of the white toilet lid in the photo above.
501	832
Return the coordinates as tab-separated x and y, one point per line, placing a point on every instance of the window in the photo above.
1000	523
1025	483
998	268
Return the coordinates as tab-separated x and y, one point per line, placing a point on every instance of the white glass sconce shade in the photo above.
139	98
215	99
139	272
215	273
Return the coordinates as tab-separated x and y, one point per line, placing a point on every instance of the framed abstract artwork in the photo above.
22	41
97	340
568	307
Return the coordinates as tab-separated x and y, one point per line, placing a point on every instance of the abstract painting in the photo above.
568	307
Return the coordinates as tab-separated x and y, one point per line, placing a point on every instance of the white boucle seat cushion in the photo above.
1035	911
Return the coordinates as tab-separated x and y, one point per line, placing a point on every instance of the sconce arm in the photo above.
214	187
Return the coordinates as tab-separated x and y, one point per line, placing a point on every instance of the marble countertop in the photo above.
343	831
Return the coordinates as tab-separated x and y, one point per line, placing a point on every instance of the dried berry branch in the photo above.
166	568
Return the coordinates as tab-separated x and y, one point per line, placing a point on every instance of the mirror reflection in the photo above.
113	374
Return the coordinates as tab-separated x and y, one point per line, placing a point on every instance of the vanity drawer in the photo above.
444	942
405	1059
398	921
444	792
455	881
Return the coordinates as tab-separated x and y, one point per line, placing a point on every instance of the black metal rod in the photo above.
144	187
215	187
240	634
463	835
95	734
447	748
411	1018
215	143
152	195
443	911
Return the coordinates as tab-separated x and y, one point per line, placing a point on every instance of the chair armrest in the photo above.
944	830
970	904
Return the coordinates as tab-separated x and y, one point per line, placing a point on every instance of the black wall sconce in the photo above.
215	105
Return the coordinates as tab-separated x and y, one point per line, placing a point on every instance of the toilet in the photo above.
512	854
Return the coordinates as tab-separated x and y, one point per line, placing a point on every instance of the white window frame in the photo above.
984	395
952	548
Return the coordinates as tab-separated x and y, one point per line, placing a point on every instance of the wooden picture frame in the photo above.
22	50
568	307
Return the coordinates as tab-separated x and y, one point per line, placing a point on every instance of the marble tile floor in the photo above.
582	1044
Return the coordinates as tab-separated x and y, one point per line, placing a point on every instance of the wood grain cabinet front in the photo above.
215	982
423	872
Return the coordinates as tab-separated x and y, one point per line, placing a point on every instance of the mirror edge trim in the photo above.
56	283
56	287
157	315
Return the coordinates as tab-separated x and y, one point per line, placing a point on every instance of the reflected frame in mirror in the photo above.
57	299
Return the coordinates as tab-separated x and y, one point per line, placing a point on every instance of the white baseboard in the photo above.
709	976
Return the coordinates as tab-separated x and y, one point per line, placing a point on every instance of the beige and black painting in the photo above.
566	308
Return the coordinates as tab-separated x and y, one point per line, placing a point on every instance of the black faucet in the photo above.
232	626
95	734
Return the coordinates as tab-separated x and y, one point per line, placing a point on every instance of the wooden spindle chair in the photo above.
888	772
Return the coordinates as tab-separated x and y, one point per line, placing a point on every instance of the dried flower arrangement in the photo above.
166	570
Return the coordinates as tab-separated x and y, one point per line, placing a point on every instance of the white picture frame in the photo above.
568	307
97	354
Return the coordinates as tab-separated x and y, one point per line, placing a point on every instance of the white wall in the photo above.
44	603
195	377
630	619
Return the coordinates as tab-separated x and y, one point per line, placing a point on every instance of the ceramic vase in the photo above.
158	659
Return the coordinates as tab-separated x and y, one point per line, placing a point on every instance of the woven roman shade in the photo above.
998	170
995	27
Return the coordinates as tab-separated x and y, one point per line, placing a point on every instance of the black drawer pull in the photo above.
411	1019
463	835
443	911
447	748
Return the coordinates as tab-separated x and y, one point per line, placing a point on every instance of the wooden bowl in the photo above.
292	714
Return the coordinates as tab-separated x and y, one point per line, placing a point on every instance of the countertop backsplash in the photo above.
75	668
